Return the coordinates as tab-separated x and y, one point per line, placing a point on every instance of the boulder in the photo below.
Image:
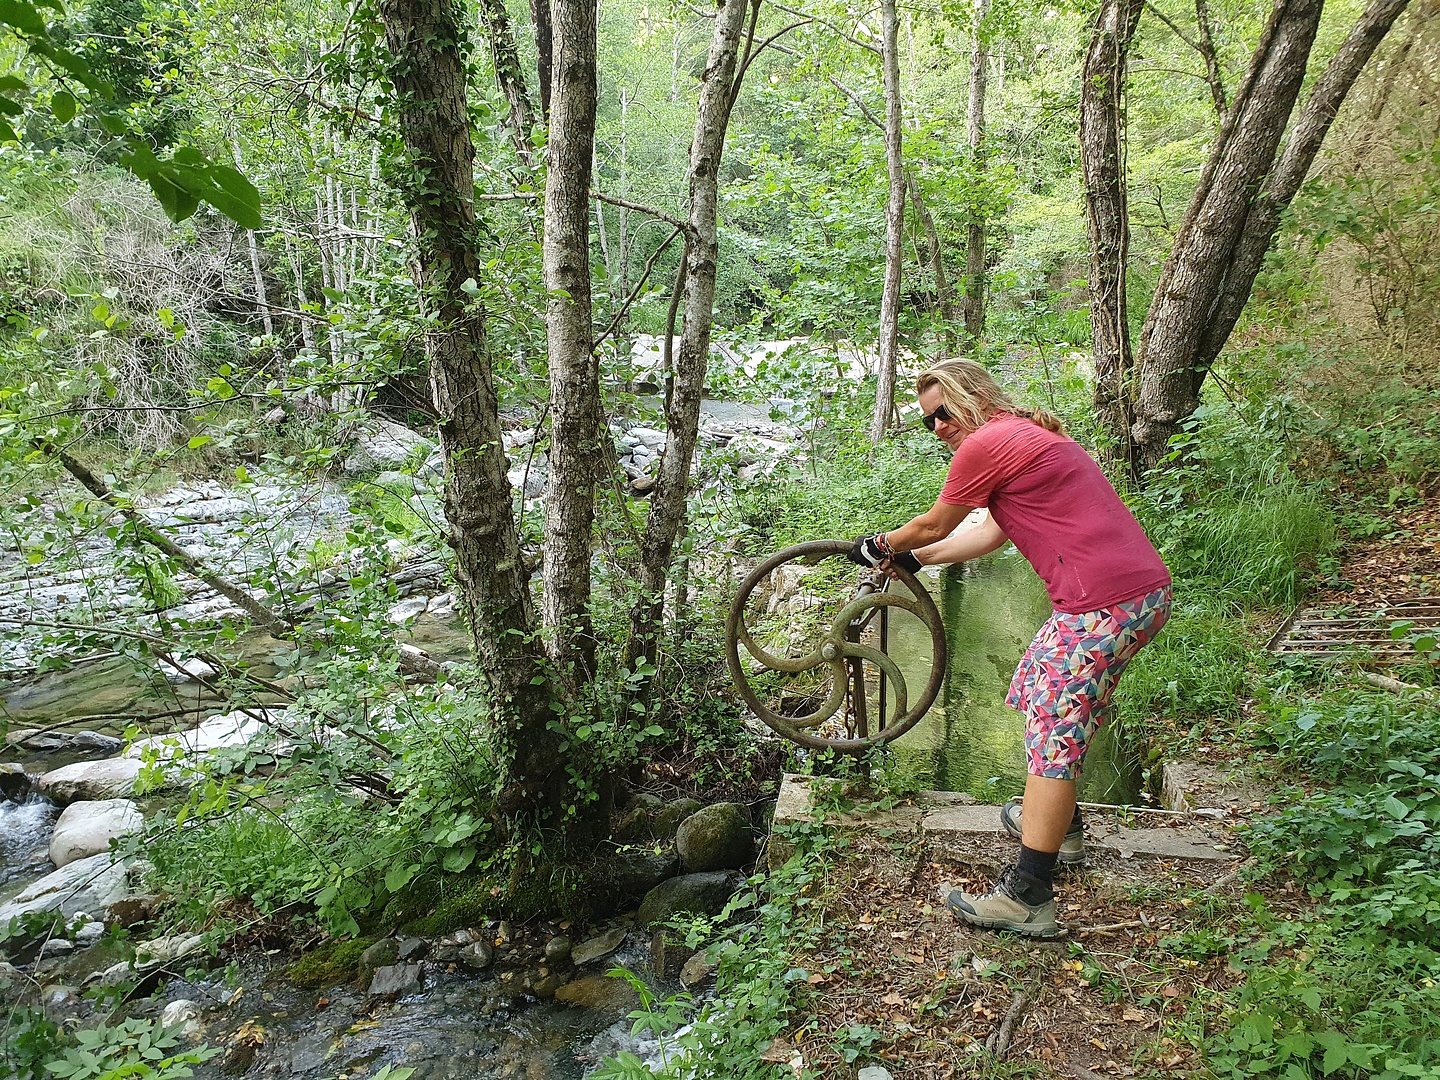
167	949
635	873
384	953
598	947
112	778
599	992
700	894
86	828
14	782
381	445
717	837
557	951
227	729
89	885
396	981
695	971
667	819
478	955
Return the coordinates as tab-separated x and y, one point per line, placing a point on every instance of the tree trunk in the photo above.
426	39
509	75
1102	159
574	369
894	225
682	408
544	51
1243	153
1234	213
943	298
975	230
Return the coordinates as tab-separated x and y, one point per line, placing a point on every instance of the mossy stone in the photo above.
332	963
717	837
667	819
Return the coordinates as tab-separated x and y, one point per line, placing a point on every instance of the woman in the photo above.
1109	587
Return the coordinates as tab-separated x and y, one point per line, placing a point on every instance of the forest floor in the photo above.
896	978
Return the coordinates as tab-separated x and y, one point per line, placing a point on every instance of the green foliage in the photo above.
131	1048
1194	670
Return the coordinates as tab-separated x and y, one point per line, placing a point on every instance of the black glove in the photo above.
906	560
868	552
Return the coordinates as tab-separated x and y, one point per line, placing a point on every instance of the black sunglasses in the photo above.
931	419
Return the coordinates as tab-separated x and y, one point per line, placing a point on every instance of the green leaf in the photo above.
234	196
1395	808
10	108
13	84
7	133
23	16
199	441
399	875
64	106
459	859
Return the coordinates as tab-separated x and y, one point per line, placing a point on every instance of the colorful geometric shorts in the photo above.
1064	682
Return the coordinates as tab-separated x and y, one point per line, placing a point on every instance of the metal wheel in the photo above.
832	675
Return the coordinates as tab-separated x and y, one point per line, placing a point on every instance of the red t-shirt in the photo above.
1056	506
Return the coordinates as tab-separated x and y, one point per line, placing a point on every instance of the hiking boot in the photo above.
1072	848
1002	909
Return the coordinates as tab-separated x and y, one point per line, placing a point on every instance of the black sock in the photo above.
1035	873
1075	822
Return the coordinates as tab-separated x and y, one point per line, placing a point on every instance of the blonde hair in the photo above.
971	394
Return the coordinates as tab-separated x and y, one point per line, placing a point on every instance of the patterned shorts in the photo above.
1064	682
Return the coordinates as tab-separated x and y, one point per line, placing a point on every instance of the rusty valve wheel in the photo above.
840	648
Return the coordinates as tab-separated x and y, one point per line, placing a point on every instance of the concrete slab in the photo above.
1186	842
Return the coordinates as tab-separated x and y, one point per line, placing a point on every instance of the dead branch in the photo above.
999	1042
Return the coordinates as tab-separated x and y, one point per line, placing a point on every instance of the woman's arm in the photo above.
935	524
981	538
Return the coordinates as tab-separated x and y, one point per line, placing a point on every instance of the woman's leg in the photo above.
1049	809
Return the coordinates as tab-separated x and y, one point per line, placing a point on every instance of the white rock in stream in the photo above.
112	778
86	828
89	885
227	729
382	444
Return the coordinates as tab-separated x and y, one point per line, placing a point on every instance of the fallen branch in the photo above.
1110	928
1385	682
999	1041
1234	875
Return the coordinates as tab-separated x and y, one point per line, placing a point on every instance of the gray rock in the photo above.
89	934
717	837
228	729
10	976
695	971
635	873
411	949
557	950
56	946
132	910
407	609
14	783
545	986
184	1014
91	885
169	948
383	953
874	1072
602	945
397	980
666	820
478	955
113	778
87	827
59	1002
701	894
381	445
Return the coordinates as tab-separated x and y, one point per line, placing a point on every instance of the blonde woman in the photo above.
1109	587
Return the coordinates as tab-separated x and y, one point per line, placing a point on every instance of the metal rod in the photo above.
885	648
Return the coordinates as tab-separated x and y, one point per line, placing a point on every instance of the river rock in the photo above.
14	782
56	946
557	950
600	946
228	729
635	873
167	949
695	971
599	992
717	837
86	828
113	778
396	981
874	1072
59	1002
667	819
91	743
383	953
478	955
701	894
184	1014
133	910
546	986
89	885
10	976
381	445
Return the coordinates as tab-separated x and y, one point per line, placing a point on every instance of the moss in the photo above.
334	962
577	892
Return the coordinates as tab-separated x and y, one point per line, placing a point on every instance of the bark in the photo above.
894	225
1235	211
544	51
574	369
944	299
509	75
1102	163
975	231
1242	156
682	406
1206	45
426	41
